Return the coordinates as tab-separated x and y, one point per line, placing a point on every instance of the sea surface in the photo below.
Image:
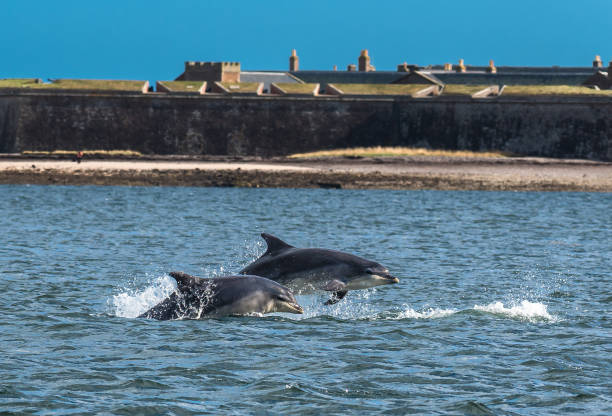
504	304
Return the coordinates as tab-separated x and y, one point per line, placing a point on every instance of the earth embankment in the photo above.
508	174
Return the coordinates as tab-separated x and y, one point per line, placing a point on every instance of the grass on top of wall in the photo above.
381	89
460	89
18	82
94	84
552	90
296	88
241	87
183	86
74	84
380	151
130	153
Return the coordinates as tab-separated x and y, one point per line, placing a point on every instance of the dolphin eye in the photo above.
369	271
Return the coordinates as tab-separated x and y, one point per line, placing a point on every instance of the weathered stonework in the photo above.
294	61
364	62
211	72
271	126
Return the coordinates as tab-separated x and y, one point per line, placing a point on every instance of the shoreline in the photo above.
408	173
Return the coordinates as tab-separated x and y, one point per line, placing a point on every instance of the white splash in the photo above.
530	311
356	308
431	313
130	304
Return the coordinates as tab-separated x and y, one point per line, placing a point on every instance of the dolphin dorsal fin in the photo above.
274	244
185	281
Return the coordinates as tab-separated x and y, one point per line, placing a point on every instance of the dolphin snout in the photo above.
392	279
296	308
291	307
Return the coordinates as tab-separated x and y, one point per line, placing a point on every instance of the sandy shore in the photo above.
513	174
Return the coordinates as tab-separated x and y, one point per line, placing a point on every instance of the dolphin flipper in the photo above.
336	297
339	289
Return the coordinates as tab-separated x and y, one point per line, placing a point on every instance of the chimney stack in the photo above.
403	67
597	62
461	66
491	68
364	62
294	62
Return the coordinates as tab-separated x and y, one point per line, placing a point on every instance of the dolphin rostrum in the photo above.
309	269
196	298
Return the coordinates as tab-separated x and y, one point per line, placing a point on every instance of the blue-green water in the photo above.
504	304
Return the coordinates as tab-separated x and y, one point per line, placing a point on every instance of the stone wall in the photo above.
271	126
8	124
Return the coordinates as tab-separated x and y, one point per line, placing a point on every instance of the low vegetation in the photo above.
130	153
18	82
460	89
297	88
552	90
75	84
242	87
380	151
380	89
95	84
183	86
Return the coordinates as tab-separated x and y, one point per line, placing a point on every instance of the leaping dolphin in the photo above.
309	269
196	298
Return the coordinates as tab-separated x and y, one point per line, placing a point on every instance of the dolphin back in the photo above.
292	263
196	297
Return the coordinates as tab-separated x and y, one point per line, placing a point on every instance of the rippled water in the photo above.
503	306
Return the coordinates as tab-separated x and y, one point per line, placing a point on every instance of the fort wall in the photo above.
574	127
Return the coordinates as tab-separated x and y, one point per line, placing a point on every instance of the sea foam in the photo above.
525	310
529	311
431	313
130	303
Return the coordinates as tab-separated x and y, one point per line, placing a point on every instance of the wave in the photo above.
530	311
430	313
131	303
525	311
359	310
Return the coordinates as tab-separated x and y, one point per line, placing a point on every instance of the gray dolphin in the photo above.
196	298
309	269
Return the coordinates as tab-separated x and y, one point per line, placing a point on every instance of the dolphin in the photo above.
196	298
309	269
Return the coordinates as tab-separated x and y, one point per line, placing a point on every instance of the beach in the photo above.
411	173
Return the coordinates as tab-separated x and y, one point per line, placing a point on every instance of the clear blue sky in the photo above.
138	39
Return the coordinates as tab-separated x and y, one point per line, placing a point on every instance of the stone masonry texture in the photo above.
277	126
